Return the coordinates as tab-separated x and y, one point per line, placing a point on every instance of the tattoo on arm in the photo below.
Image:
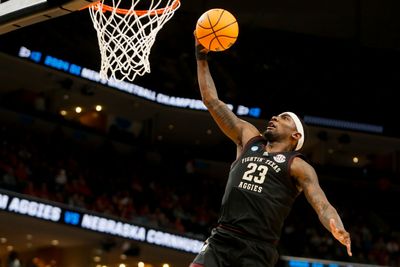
226	120
317	198
236	129
327	214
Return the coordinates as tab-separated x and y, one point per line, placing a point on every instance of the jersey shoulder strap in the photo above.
252	141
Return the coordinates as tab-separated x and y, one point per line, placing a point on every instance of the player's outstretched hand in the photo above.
341	235
201	51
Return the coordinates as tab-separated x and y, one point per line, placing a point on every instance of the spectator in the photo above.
13	260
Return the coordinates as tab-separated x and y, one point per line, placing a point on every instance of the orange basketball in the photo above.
217	29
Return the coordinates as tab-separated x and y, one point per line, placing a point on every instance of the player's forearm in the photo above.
208	91
330	213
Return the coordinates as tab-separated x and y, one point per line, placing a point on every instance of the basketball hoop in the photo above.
126	35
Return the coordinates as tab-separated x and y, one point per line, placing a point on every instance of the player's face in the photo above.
279	127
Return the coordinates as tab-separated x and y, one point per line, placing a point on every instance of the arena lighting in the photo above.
174	101
62	214
365	127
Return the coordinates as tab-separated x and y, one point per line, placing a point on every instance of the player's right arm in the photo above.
307	179
239	131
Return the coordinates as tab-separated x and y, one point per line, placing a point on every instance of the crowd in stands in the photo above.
157	186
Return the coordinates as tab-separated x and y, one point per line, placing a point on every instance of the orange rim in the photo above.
123	11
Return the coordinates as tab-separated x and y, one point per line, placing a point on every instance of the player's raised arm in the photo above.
307	178
236	129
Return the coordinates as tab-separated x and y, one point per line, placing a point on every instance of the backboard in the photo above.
15	14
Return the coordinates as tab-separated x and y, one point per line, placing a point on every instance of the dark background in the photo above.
334	59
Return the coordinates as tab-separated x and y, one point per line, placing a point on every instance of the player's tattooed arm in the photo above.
307	180
236	129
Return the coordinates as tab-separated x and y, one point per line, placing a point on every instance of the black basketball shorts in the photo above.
225	248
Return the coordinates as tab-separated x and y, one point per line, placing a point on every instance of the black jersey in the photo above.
260	192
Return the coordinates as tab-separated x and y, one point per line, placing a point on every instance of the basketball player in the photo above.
264	181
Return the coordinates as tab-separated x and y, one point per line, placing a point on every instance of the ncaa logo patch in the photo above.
280	158
254	148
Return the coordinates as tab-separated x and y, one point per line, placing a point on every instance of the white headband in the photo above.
299	128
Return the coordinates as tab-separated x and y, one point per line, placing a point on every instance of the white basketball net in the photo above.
125	40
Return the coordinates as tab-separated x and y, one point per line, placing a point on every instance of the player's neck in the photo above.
276	147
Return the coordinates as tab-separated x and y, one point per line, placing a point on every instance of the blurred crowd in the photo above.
143	186
157	185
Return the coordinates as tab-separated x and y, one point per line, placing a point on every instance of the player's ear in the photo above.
296	136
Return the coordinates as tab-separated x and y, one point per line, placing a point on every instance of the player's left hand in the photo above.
199	47
341	235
